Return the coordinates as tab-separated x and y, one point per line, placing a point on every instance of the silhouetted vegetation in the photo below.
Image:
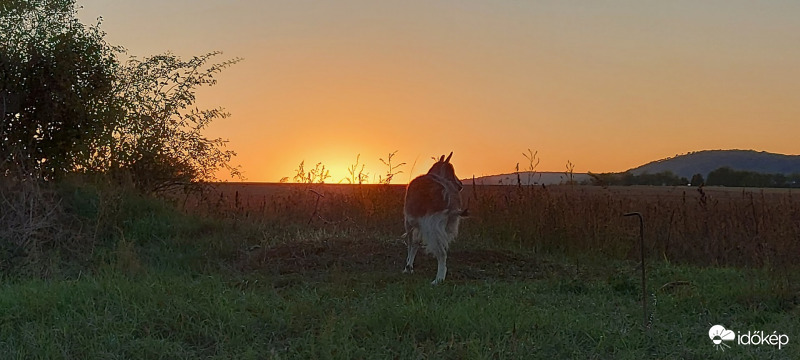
726	176
391	170
697	180
723	176
316	175
356	175
159	140
69	105
83	134
570	173
57	83
665	178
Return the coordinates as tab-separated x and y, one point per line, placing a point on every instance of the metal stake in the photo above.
644	277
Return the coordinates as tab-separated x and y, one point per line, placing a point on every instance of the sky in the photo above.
606	85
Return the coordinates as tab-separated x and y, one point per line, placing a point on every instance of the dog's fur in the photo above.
432	213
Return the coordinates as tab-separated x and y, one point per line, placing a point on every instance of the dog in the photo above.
432	214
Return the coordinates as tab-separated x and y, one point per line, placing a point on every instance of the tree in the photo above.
58	75
69	104
697	180
726	176
159	141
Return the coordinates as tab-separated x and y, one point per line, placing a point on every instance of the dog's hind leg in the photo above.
441	272
412	253
413	246
439	249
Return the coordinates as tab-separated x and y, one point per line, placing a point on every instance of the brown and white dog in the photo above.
432	213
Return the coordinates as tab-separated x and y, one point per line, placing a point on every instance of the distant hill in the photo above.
703	162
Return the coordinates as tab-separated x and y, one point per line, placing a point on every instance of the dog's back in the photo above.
425	195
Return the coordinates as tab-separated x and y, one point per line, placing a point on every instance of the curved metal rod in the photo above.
644	277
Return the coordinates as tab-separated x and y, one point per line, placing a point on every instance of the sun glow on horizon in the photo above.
348	169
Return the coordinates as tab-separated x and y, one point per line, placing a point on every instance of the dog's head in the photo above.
444	170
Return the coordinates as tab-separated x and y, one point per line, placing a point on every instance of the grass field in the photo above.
277	271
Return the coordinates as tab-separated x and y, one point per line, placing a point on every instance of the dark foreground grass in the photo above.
389	315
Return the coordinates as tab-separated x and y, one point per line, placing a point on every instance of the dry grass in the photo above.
711	227
707	227
32	222
49	229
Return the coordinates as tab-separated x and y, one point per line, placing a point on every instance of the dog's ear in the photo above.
448	157
441	159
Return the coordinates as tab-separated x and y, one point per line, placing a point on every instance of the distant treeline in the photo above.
726	176
723	176
666	178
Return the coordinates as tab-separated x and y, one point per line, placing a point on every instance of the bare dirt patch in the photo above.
314	260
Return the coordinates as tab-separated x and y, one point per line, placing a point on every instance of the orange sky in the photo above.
606	85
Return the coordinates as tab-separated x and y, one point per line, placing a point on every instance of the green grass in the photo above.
164	314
